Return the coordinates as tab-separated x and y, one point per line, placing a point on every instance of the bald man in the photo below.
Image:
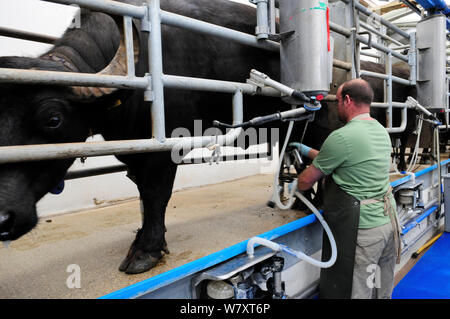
358	205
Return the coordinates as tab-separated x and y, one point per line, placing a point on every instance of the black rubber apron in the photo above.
341	212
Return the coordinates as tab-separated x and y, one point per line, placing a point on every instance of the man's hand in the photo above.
305	150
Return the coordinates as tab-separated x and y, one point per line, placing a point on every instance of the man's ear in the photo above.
347	98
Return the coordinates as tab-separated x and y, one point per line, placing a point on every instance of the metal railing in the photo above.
153	83
388	53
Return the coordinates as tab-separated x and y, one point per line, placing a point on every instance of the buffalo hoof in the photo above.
139	262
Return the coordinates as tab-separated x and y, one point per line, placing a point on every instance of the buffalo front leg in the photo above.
155	184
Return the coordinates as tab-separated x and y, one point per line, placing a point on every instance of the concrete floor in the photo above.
199	221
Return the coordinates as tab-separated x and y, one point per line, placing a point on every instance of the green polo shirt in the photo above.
358	155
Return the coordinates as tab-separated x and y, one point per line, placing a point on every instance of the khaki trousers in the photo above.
373	275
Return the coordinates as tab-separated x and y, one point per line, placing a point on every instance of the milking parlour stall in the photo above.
150	149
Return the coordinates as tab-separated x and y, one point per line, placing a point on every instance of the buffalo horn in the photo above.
117	66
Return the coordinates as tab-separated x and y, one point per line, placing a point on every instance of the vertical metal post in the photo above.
388	90
128	26
412	59
383	42
272	17
238	107
351	42
156	71
357	48
447	83
439	171
262	19
447	202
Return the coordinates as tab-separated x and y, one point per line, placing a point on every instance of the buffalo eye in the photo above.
49	115
54	122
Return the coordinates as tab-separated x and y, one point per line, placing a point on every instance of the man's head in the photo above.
353	97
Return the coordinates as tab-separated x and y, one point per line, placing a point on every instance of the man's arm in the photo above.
308	177
313	153
307	151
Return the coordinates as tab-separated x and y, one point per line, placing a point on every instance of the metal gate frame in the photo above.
151	17
153	83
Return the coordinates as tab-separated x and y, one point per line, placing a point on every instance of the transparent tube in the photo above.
279	247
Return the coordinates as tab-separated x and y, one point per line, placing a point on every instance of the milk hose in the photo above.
276	187
276	199
298	254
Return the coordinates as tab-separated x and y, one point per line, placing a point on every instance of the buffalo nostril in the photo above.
4	218
6	222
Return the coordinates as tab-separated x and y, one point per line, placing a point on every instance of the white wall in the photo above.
32	16
52	19
103	190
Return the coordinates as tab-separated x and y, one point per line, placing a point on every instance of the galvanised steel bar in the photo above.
342	64
369	28
177	20
346	32
272	17
385	105
372	55
388	90
62	78
156	71
377	17
401	47
382	48
199	84
95	171
169	18
90	172
107	6
262	19
134	146
385	77
20	76
128	26
27	153
412	59
26	35
340	29
402	126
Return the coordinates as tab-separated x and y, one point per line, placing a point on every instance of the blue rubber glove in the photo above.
302	148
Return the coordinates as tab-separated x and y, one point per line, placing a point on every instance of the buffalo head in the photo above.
39	114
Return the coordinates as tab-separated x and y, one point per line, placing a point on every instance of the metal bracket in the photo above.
145	21
369	46
281	36
412	58
148	94
309	117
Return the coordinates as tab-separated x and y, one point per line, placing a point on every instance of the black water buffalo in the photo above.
40	114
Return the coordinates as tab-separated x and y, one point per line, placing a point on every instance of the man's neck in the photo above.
363	114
